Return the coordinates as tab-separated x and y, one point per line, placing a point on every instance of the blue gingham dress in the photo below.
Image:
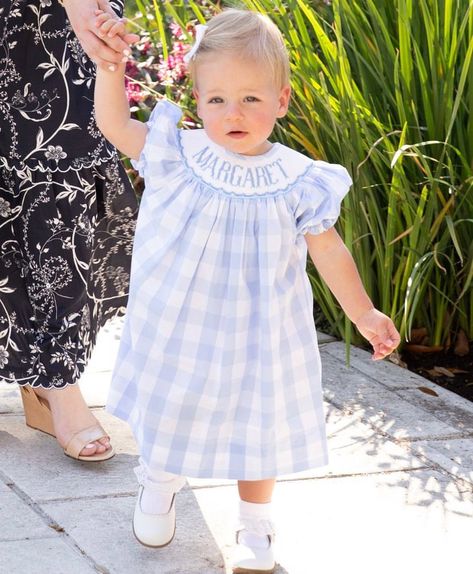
218	371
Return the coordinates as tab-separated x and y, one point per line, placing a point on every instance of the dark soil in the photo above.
444	368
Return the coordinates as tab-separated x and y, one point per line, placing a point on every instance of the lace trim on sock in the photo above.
164	487
258	526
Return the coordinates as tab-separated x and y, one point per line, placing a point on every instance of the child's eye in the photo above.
251	99
215	100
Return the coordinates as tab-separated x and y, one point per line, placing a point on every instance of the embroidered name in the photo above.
239	175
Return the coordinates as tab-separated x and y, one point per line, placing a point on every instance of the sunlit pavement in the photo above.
397	496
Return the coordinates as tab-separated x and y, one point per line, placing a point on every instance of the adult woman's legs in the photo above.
67	218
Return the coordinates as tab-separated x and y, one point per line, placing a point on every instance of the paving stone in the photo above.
454	455
10	401
391	523
361	395
111	543
446	406
323	338
42	556
19	519
34	461
385	372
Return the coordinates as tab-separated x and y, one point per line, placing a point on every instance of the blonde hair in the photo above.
250	35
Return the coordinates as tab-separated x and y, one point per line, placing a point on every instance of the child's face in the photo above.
238	102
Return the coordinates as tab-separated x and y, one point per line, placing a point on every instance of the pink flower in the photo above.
145	48
133	92
173	69
132	69
176	31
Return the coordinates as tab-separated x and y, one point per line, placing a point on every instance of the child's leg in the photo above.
256	491
255	512
254	551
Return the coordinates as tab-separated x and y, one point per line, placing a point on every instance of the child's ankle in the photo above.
159	489
255	523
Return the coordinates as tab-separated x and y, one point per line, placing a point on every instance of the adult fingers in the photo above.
131	38
116	44
105	6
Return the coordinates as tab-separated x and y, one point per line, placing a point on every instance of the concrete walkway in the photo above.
396	498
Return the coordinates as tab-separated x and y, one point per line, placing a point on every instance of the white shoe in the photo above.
248	560
155	530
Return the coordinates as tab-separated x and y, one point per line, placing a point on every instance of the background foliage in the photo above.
386	89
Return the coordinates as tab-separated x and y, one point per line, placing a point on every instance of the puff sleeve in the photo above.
161	142
321	196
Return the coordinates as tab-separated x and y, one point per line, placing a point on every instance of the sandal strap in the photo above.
82	438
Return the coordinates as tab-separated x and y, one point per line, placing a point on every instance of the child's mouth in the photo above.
236	134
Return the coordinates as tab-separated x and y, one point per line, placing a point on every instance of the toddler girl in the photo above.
218	371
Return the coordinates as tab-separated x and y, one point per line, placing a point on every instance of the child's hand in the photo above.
110	25
380	332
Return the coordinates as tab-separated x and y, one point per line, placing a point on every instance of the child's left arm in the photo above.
337	268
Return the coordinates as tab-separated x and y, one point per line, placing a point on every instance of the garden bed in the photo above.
444	368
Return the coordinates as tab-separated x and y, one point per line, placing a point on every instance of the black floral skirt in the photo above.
67	209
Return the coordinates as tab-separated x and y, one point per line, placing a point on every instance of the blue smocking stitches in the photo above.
234	194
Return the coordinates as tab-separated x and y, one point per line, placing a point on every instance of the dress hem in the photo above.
298	467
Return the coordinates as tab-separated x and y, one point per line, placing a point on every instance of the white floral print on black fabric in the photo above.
67	210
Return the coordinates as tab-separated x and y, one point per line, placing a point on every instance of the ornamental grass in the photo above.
385	89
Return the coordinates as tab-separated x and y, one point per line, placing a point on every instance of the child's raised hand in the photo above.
380	331
110	26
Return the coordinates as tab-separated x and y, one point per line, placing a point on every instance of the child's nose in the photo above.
233	111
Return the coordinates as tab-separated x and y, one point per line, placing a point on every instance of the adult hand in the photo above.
105	52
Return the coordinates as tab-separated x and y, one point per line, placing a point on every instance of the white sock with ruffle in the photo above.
159	487
255	524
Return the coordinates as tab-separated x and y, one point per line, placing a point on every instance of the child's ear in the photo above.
284	98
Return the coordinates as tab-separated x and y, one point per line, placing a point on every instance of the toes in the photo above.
89	449
93	448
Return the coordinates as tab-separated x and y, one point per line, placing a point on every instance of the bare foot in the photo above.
70	415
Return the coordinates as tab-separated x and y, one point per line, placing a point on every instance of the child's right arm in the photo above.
112	112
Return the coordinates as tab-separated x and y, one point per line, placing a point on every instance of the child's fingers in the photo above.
381	351
383	345
387	334
117	29
102	17
394	335
102	26
107	26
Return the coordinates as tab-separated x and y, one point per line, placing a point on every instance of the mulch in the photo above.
447	369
